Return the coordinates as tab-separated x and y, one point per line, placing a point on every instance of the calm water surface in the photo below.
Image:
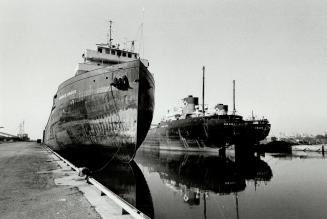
187	185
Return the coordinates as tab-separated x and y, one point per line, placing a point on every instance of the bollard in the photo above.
323	150
222	152
83	171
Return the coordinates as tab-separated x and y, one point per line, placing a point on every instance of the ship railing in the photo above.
93	55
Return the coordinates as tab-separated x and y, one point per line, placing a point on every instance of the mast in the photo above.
142	36
203	69
110	39
234	110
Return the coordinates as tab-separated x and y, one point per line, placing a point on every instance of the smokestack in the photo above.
234	110
203	69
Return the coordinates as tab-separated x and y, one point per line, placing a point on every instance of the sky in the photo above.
276	50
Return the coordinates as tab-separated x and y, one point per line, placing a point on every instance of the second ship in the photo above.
106	108
192	127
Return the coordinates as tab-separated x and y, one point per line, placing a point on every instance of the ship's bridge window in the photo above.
135	55
118	53
124	54
99	49
129	55
113	52
107	51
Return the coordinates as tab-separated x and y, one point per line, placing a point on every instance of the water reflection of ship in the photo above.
252	167
195	174
300	155
127	181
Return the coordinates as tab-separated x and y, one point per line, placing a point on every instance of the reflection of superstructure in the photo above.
190	195
106	107
196	179
200	173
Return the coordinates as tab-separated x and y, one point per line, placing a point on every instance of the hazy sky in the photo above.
276	50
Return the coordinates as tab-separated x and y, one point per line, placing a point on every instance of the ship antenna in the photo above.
234	110
142	37
203	69
132	46
110	39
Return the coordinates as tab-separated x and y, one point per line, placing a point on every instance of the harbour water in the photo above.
166	184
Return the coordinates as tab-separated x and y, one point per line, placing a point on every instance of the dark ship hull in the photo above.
255	131
205	133
106	111
196	133
128	182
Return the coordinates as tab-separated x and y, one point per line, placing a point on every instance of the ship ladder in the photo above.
182	139
205	127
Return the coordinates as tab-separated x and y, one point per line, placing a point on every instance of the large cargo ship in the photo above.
106	108
187	128
193	127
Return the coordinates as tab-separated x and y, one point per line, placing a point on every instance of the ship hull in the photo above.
105	112
195	134
254	131
206	133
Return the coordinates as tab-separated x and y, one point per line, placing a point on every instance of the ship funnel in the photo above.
221	109
189	104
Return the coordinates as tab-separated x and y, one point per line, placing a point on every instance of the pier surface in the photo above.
35	184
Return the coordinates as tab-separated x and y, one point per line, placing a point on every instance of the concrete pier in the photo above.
35	184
